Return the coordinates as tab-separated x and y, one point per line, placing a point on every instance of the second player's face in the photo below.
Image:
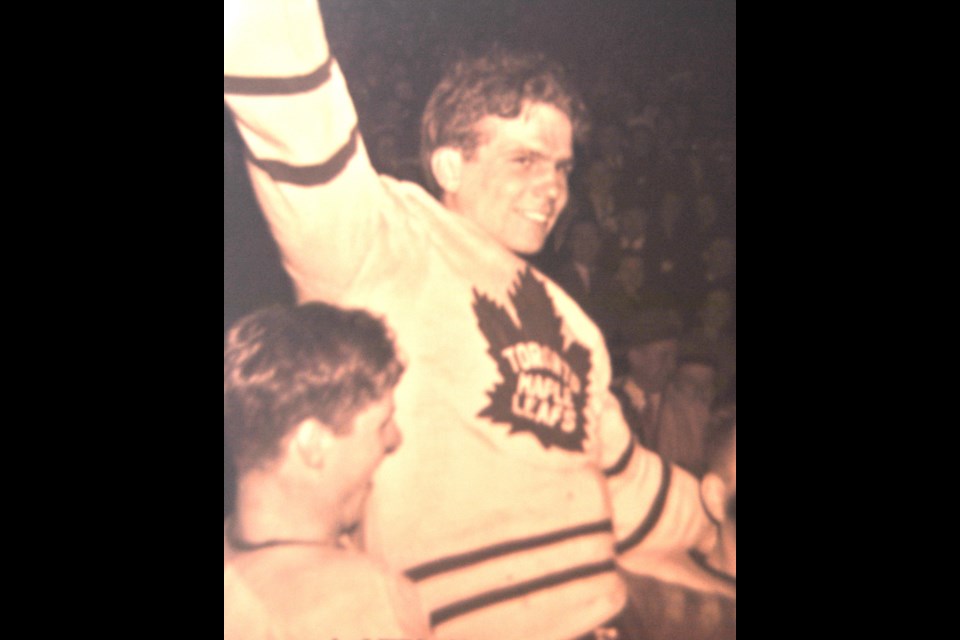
515	185
374	436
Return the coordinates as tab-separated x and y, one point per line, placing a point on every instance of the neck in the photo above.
271	511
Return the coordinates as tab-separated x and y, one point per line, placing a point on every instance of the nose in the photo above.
392	438
552	183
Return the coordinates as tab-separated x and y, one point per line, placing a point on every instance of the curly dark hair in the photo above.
283	365
500	83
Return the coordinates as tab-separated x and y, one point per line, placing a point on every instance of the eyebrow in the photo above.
523	150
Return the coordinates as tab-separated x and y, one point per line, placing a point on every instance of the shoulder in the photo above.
349	579
364	592
344	592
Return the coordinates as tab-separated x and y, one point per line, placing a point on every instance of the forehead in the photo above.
659	347
539	127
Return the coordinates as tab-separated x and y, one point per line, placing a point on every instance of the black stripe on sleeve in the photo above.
292	85
315	174
624	460
653	516
447	613
461	561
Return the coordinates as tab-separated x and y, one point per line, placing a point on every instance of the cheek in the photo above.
488	187
374	460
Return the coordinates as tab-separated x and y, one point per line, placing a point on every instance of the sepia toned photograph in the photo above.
479	319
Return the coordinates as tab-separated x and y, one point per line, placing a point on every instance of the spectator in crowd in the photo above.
308	415
714	336
651	342
601	181
685	410
641	154
720	263
670	258
621	300
634	226
581	275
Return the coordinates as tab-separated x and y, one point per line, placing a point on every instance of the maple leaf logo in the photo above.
544	386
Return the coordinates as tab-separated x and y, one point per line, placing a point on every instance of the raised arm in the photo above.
306	159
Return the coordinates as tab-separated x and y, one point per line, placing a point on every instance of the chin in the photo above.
531	248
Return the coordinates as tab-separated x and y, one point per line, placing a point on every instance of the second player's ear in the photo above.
312	439
447	166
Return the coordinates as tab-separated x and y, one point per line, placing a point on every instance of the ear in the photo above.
447	166
713	491
311	441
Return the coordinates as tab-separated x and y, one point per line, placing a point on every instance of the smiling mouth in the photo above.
535	216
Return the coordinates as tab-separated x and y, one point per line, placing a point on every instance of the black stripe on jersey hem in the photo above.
461	561
315	174
653	517
623	462
457	609
288	86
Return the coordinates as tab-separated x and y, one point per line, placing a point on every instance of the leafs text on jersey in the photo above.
544	386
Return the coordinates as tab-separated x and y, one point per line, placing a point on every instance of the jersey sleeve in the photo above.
305	156
656	505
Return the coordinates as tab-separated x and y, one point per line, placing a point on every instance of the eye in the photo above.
524	161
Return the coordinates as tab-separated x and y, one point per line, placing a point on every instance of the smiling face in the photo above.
515	184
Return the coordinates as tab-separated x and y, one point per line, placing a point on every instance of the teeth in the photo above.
536	216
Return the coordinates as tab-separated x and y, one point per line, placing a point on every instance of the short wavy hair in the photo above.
500	83
283	365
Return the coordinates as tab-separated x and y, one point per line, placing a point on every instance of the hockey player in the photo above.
308	411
